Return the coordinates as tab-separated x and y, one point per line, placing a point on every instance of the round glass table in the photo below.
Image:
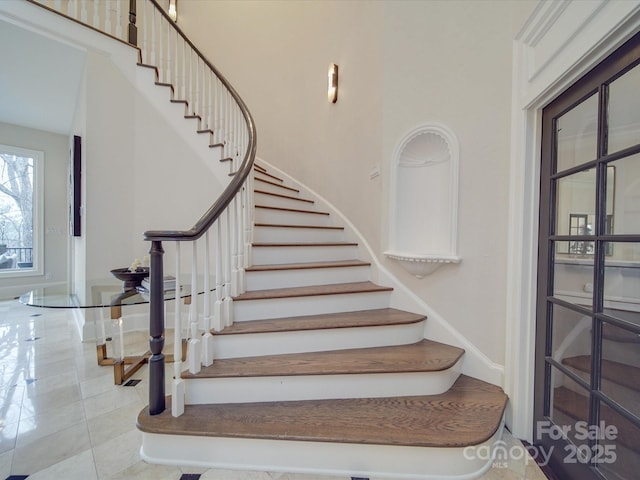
108	294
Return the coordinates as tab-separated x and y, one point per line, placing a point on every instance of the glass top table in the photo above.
103	293
108	293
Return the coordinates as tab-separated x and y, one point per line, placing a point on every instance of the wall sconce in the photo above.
332	82
173	12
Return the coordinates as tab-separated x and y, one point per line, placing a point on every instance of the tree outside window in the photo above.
16	210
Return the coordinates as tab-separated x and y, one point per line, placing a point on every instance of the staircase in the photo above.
318	373
300	363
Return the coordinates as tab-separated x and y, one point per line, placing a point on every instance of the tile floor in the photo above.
62	417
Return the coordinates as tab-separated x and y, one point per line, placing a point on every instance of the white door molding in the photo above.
560	42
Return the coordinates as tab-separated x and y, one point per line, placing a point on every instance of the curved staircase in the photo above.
307	368
318	374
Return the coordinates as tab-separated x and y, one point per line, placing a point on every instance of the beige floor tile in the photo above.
223	474
78	467
5	462
110	401
37	403
34	427
113	424
8	435
51	449
145	471
117	454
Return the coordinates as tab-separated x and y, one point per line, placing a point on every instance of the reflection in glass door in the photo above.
587	400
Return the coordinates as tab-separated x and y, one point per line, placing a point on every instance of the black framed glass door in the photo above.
587	391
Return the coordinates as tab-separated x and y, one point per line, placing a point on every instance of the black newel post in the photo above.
156	330
133	29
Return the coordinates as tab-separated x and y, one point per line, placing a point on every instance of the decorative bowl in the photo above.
131	279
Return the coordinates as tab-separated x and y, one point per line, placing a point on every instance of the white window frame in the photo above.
38	212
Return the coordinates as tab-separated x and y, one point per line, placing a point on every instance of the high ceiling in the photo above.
40	79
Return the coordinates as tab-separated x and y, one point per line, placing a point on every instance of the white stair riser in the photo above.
275	201
321	458
285	217
305	277
273	187
293	234
314	387
300	341
302	254
312	305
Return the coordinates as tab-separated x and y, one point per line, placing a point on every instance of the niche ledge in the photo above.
422	265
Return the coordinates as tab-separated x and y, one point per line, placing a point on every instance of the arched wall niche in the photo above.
424	200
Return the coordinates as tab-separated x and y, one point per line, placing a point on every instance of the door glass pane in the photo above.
624	111
622	281
571	341
618	454
621	367
569	405
573	279
577	135
576	209
623	195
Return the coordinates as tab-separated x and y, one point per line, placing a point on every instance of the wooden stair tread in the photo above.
280	195
468	414
294	210
620	373
307	265
282	225
423	356
314	290
576	406
362	318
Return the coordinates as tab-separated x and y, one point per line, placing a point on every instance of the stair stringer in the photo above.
475	363
309	457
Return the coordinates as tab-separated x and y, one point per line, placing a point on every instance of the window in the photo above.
20	211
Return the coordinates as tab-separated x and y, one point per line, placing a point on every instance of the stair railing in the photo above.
227	224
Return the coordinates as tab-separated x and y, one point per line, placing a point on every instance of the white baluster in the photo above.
209	121
194	352
72	9
152	38
119	19
235	277
227	302
167	45
207	339
220	321
144	43
161	50
249	214
83	11
184	70
178	386
96	15
107	20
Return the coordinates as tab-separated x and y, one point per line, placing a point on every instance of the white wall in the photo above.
450	63
139	175
402	64
56	160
